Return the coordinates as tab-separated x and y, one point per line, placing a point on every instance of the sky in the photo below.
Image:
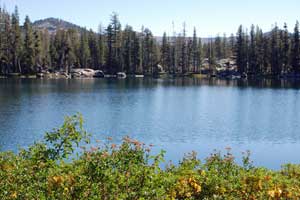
210	17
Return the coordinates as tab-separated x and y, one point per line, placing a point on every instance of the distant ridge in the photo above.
54	24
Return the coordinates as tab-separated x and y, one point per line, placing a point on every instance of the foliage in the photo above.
113	49
129	171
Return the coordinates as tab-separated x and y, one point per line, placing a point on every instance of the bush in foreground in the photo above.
129	171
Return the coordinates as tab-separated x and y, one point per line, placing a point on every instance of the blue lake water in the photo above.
178	115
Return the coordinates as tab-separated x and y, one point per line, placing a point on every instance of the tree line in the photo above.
274	53
25	49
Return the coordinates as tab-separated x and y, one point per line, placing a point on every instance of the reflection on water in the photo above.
178	115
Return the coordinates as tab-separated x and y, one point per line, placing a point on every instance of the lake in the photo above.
178	115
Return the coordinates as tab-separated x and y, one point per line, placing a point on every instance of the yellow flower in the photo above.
57	179
259	185
202	172
188	194
14	195
198	188
278	192
271	193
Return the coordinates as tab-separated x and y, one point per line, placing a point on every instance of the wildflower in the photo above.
127	139
14	195
202	172
267	178
198	188
93	149
188	194
104	155
278	192
271	193
57	179
113	146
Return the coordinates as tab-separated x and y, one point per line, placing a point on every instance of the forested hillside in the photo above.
56	45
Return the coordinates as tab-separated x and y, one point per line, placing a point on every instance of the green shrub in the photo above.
129	171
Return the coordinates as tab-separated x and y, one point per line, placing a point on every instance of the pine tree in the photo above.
232	45
195	52
16	42
46	56
189	55
218	47
85	54
266	55
183	51
165	53
275	56
1	39
72	44
110	55
148	54
259	51
136	57
241	54
117	43
28	56
211	54
6	46
286	49
295	53
200	56
253	63
225	49
37	49
128	49
94	50
101	45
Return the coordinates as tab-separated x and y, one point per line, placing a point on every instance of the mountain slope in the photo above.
54	24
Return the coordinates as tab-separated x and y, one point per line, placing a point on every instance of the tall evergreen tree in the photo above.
136	56
6	46
286	49
200	55
149	57
232	45
218	47
94	50
16	42
37	49
275	54
225	48
266	55
183	51
46	56
28	56
85	54
101	44
195	51
295	56
128	49
241	50
117	43
165	53
259	40
253	54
